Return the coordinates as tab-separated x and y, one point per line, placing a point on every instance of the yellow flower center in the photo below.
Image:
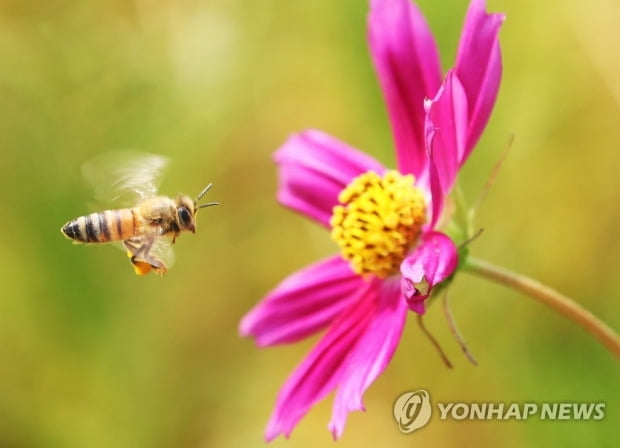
379	220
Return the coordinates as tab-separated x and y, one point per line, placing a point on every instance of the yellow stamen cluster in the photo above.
379	220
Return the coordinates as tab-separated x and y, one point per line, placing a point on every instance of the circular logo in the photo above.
412	410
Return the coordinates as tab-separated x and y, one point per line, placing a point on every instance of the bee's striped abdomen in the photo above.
110	225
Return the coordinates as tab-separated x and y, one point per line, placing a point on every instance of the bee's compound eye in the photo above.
184	216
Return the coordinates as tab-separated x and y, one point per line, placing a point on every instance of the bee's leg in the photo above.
155	263
140	256
131	246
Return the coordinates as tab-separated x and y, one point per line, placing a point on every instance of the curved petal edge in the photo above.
434	260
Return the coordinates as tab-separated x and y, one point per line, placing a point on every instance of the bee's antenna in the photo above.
202	193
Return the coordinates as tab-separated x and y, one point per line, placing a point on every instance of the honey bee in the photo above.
143	228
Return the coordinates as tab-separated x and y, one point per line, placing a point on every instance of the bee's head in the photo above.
187	209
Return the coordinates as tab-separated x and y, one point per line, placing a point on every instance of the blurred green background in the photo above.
93	356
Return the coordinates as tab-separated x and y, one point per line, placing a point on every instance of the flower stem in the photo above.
431	338
559	302
455	330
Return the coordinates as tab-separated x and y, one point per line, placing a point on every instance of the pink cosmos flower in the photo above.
392	255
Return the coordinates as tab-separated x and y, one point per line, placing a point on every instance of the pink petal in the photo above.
434	260
479	67
407	63
446	114
430	182
321	370
303	303
314	169
371	355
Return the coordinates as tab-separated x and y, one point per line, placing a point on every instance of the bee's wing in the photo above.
125	178
162	248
